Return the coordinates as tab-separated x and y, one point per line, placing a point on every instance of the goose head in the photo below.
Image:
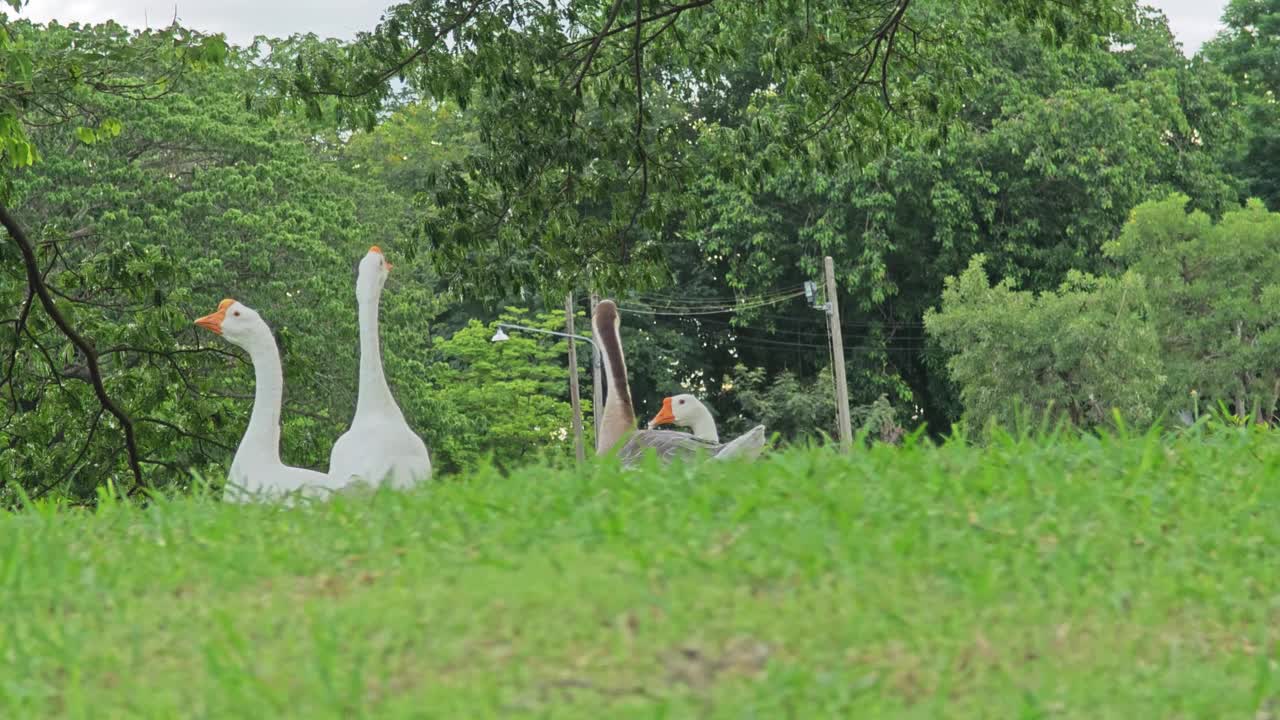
687	411
237	323
679	410
373	272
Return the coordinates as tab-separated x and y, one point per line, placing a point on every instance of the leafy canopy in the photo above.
586	109
1214	289
1084	353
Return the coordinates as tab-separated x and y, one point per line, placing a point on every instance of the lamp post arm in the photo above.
549	332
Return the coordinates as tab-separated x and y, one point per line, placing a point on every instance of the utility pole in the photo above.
574	399
597	382
837	353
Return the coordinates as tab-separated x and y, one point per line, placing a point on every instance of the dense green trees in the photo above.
1039	168
1248	50
676	156
1214	293
588	134
1083	353
1192	322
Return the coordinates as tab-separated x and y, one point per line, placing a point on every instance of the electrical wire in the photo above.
847	324
712	310
672	302
774	345
809	332
699	311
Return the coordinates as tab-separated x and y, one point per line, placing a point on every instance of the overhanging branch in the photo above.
37	285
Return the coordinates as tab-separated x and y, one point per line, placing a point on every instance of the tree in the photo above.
1082	354
795	408
1248	50
1040	168
588	144
503	402
47	78
1214	289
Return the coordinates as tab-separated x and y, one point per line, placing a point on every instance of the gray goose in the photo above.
618	424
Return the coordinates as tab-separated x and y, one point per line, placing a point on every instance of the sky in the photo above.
1193	21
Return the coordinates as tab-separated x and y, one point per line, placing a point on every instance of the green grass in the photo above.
1114	578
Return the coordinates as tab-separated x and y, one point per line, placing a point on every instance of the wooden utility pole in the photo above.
597	382
837	354
574	399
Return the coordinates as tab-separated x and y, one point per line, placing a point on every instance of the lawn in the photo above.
1093	578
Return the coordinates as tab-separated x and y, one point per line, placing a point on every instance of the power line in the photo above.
844	323
728	304
653	298
768	343
810	332
713	310
848	324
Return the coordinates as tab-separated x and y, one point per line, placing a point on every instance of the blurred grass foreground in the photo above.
1115	577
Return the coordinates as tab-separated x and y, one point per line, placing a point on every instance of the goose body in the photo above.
618	424
379	446
256	470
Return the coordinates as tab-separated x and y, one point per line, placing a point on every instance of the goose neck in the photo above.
619	414
375	394
703	425
261	440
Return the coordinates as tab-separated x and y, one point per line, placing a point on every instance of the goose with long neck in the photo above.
380	446
618	424
256	470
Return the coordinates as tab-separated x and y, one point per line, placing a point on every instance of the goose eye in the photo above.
236	313
681	402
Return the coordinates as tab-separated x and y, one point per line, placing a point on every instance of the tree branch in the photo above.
883	36
72	468
673	10
409	59
638	70
595	43
19	325
36	284
187	434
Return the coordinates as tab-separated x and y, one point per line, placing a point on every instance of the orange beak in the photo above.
213	321
665	416
376	249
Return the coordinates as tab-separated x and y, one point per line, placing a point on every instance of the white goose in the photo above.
618	425
688	411
380	446
256	470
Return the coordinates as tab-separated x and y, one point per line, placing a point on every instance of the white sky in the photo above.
1193	21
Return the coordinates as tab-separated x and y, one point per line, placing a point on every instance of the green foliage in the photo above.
1247	50
797	409
505	403
1248	46
885	583
1051	148
408	151
588	144
720	159
49	75
1085	353
878	421
1214	290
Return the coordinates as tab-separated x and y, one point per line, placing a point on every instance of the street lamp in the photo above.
500	336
